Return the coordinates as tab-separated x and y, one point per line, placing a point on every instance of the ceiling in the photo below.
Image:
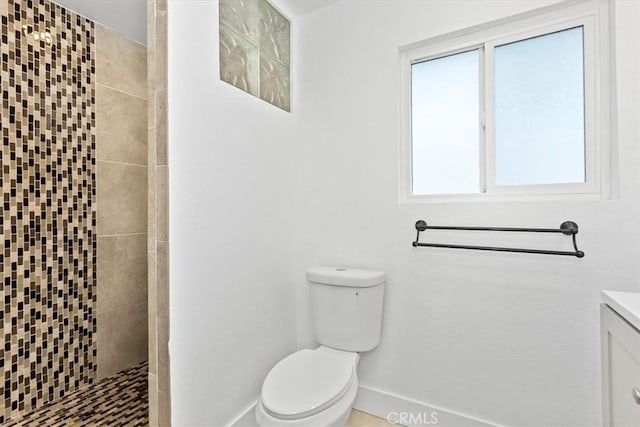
296	8
127	17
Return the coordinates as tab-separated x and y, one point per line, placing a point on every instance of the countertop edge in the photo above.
626	304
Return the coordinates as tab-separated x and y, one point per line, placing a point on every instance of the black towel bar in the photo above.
568	228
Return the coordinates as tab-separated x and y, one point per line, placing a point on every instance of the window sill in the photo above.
489	198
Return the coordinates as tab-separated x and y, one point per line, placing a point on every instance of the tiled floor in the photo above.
121	401
117	401
362	419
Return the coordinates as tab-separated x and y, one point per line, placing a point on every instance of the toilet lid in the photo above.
307	382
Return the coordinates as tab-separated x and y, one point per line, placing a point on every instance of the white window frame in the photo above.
593	17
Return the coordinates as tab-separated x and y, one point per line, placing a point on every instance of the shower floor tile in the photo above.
120	400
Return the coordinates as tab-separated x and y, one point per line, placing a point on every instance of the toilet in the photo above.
317	387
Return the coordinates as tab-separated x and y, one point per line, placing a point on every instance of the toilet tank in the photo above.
346	306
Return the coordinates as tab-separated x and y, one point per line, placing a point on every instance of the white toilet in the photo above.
316	388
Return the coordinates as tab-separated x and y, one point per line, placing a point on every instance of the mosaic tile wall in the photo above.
255	50
48	210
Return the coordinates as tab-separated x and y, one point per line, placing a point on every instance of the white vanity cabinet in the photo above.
620	368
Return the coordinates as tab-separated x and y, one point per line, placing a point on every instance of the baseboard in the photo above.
393	407
414	414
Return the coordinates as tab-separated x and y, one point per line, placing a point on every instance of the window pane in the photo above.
539	110
445	124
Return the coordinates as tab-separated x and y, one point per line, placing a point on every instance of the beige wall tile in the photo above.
151	43
161	31
122	198
163	354
163	279
122	338
152	283
122	271
121	122
120	63
160	71
105	257
164	410
152	348
152	214
162	203
161	127
152	310
151	147
153	400
160	405
161	142
151	112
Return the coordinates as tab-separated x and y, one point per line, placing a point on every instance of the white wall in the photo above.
505	337
232	311
258	195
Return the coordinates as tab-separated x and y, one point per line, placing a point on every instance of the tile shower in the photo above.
74	216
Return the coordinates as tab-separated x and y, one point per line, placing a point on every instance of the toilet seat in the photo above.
307	382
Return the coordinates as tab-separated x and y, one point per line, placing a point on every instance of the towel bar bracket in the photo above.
569	228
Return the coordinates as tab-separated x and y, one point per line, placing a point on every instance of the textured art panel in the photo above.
255	50
48	210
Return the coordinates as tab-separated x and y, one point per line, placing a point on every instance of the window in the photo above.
516	108
539	110
445	132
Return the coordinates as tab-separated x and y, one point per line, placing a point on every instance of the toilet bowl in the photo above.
317	388
309	388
